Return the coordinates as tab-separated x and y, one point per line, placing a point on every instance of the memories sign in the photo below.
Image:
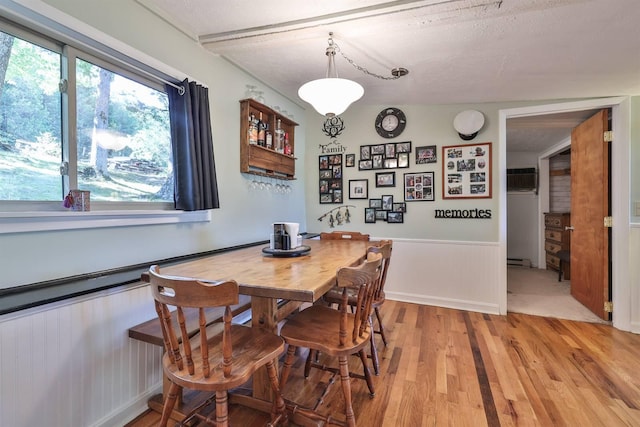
463	213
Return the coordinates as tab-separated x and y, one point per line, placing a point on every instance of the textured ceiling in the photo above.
456	51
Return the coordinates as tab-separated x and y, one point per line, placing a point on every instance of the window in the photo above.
522	179
72	120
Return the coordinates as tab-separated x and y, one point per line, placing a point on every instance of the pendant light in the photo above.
332	95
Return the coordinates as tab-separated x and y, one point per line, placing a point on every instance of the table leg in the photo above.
264	314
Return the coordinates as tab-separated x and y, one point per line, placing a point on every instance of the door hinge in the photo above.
608	307
608	136
608	221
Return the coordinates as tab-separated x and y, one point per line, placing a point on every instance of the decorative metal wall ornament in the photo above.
339	216
333	126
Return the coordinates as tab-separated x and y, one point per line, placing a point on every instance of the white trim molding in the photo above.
23	222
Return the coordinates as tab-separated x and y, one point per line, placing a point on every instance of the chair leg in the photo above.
374	350
307	363
346	390
222	415
367	372
384	338
286	366
169	403
278	412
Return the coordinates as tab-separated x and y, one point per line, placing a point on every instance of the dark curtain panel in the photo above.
194	168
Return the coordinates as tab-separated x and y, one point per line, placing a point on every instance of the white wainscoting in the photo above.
72	363
452	274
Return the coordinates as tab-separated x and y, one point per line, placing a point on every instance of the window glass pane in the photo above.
30	124
124	146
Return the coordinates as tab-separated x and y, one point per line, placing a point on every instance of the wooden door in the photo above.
589	206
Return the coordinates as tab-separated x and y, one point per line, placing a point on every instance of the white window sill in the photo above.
24	222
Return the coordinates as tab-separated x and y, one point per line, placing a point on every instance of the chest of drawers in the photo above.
556	238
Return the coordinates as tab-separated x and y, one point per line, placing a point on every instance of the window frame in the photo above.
27	216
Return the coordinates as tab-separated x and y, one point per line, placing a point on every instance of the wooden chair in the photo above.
210	361
334	296
344	235
337	333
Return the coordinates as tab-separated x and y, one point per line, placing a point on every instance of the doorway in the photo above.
536	287
620	109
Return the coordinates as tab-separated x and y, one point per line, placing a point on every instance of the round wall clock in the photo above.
390	122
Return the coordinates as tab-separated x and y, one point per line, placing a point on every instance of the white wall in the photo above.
522	213
522	226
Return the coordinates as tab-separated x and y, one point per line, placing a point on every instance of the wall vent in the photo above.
522	179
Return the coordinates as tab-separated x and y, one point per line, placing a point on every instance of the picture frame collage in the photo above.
384	209
330	183
391	155
419	186
466	172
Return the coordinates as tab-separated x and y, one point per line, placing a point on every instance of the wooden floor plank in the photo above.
445	367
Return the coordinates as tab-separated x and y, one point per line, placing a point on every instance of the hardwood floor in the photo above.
446	367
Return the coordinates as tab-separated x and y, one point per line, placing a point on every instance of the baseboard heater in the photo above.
522	262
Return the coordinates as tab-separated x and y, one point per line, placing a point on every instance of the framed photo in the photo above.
390	151
381	215
395	217
387	202
358	188
377	161
369	215
364	165
403	160
390	163
375	203
426	154
403	147
349	160
419	187
385	179
323	162
466	173
330	174
377	149
365	152
399	207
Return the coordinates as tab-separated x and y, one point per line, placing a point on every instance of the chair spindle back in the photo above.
363	279
190	294
384	248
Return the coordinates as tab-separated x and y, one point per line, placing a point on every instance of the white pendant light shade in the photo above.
331	96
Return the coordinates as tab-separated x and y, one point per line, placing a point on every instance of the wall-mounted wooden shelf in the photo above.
263	161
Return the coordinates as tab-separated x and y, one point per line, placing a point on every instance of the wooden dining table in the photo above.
277	285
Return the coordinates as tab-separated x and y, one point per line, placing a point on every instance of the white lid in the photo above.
467	123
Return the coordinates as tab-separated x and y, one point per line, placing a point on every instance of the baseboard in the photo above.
444	302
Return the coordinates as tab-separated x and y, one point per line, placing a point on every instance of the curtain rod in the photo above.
163	80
